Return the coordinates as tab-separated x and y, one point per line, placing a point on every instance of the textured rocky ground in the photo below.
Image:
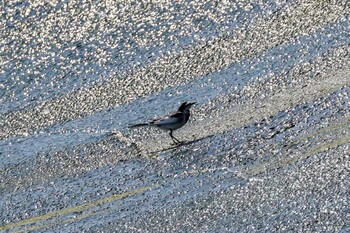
267	145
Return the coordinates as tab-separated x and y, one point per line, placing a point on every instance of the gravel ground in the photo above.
266	148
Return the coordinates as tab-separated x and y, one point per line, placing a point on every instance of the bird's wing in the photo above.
176	115
173	118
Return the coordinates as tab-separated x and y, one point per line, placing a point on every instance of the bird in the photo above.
171	122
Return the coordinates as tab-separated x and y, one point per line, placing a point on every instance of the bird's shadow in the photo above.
182	144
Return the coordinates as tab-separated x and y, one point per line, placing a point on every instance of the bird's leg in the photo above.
175	140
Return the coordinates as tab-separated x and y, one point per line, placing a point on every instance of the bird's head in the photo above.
185	106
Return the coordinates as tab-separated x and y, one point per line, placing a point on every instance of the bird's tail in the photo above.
138	125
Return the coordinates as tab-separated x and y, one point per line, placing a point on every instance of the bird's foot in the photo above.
178	143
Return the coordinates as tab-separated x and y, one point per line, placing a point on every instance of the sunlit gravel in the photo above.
266	148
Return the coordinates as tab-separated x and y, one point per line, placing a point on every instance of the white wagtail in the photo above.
171	122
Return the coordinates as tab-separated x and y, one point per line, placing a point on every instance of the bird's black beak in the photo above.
191	103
